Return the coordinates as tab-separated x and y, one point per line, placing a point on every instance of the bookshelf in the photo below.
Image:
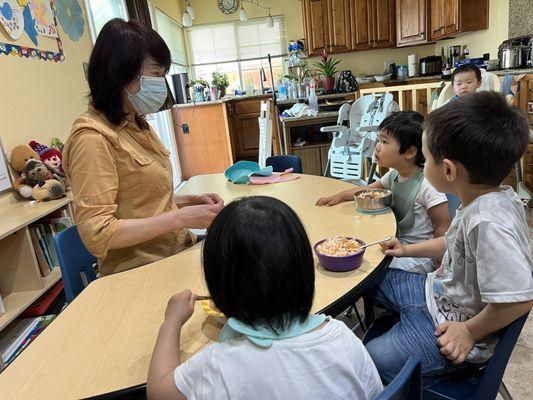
21	282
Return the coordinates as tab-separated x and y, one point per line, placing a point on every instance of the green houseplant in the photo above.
219	83
327	68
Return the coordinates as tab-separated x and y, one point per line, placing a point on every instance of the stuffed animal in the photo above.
18	158
36	171
48	190
50	156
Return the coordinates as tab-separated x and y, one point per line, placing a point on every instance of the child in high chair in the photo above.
466	79
421	212
259	270
485	280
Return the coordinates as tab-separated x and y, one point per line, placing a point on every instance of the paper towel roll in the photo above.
412	65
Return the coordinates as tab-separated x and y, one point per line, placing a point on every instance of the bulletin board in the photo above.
29	28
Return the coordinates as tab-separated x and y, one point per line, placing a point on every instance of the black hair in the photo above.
467	68
481	131
406	128
258	263
117	58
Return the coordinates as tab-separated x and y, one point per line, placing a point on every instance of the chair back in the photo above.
281	163
407	385
265	133
453	204
75	261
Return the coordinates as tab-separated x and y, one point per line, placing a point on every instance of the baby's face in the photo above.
465	83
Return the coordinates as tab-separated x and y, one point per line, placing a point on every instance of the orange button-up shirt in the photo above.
119	172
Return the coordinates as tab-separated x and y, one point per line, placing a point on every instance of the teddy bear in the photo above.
48	190
18	158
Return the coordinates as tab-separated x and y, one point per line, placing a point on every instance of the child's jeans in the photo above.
403	293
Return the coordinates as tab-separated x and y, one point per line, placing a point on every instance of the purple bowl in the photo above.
340	263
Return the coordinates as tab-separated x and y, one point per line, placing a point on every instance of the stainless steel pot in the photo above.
513	56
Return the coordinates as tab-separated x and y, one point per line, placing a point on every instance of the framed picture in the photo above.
5	177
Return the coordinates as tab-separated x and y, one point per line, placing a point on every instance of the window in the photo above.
101	11
239	49
172	34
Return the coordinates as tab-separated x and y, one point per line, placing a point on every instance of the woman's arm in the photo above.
440	219
346	195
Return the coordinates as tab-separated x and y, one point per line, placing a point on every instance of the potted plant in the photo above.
219	83
326	68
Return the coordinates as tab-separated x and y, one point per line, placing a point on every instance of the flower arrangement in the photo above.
220	81
327	67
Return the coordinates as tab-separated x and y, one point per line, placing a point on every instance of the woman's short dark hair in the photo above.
117	58
406	128
481	131
258	263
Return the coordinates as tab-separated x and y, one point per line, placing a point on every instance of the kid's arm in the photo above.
440	219
433	248
457	338
165	359
347	195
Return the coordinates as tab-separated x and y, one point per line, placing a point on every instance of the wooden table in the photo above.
103	340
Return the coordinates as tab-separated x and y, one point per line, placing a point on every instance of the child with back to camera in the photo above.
259	269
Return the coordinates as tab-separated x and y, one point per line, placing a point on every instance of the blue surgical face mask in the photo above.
151	96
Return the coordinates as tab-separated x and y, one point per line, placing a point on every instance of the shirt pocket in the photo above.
152	176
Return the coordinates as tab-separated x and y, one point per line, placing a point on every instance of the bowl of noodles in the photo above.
210	309
340	254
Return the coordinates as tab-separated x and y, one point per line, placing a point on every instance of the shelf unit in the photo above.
21	282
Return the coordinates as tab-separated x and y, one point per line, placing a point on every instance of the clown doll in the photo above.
50	156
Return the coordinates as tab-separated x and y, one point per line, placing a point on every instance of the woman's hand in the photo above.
180	307
393	248
197	217
197	199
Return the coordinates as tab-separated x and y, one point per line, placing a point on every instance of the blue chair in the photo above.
281	163
453	204
74	260
484	382
407	385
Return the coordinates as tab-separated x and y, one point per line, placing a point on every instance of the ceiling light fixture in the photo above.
243	17
242	14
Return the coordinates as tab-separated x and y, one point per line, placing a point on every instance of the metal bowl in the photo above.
372	205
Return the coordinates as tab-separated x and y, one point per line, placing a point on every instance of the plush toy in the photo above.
48	190
18	158
50	156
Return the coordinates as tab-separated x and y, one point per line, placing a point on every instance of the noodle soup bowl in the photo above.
340	263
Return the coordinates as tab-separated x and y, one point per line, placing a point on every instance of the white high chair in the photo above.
265	133
353	144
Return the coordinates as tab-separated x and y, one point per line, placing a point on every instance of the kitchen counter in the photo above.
320	116
226	99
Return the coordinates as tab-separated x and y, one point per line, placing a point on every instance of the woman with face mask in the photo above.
121	177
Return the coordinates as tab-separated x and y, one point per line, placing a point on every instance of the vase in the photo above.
214	93
222	92
328	83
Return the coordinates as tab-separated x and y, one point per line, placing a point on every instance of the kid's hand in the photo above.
328	201
180	307
393	248
455	340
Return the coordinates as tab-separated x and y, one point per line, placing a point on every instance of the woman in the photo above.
120	173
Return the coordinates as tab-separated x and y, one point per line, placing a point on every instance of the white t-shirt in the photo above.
427	198
327	363
487	260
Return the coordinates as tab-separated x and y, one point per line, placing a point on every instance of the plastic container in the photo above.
340	263
402	71
313	100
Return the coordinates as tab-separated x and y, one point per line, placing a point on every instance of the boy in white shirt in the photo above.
485	280
421	211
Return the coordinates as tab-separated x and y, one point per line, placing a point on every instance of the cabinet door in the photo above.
437	19
247	135
315	25
311	162
410	22
384	24
339	26
361	26
451	17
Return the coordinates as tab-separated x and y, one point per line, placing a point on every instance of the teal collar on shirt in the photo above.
263	336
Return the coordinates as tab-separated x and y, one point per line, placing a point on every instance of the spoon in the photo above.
199	298
374	243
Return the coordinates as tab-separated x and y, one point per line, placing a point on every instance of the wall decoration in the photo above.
5	178
11	18
31	24
43	14
71	18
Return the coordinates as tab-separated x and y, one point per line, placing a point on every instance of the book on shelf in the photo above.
44	267
14	335
2	307
43	322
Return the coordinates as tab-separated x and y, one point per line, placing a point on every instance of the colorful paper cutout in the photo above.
70	17
11	18
42	12
29	25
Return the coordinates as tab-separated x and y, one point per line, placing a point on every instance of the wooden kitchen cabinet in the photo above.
315	25
453	17
384	26
411	22
339	26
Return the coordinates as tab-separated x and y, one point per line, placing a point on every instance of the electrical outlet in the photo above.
185	128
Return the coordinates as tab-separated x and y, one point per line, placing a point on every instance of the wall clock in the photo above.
228	6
